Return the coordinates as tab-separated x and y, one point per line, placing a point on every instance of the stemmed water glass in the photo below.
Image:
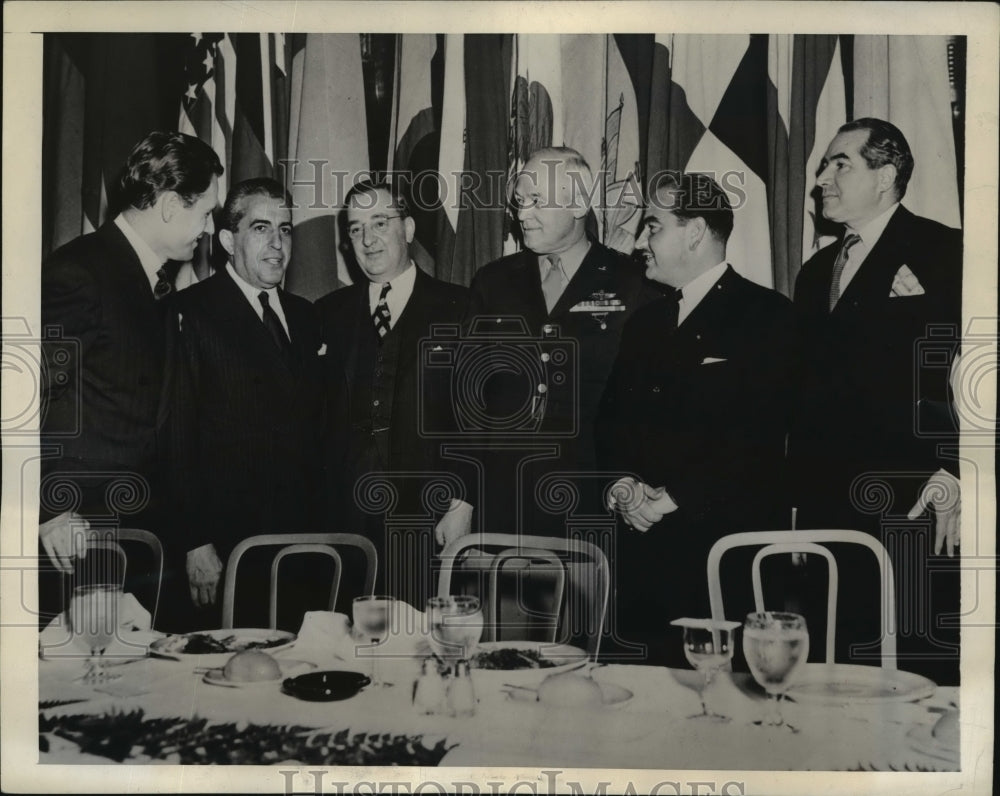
775	645
456	624
708	647
372	615
93	614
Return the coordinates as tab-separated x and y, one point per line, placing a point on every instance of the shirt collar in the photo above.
150	261
872	231
694	291
569	260
250	291
402	285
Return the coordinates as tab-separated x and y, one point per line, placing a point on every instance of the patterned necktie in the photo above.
164	284
838	268
273	325
554	282
381	317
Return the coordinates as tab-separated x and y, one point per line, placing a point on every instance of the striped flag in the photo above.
235	99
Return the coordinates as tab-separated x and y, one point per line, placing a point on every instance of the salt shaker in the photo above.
429	692
461	695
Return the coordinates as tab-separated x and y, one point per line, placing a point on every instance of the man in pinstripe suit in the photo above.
243	400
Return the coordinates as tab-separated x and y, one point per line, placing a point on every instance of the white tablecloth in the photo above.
653	730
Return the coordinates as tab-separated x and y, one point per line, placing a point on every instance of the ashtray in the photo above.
328	686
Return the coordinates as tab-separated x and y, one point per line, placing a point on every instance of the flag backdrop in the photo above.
462	112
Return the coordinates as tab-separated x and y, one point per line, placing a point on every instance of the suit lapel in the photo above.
874	278
242	318
710	312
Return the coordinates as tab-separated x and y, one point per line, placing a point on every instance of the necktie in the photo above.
273	325
164	284
554	282
838	268
672	308
381	317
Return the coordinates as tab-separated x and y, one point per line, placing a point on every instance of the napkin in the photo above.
132	640
325	632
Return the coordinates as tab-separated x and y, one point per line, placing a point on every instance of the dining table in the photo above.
158	708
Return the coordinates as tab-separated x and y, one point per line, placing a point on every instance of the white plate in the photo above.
844	683
289	668
921	739
171	646
612	695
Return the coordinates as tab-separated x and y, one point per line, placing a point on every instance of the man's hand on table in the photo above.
64	537
203	570
641	505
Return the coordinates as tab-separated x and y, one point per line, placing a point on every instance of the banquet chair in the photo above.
145	587
809	542
559	558
322	544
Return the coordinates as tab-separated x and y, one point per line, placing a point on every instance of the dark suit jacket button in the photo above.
656	389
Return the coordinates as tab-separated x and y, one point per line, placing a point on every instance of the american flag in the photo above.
236	99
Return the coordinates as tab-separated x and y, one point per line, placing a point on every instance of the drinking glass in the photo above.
775	644
708	647
456	626
372	614
93	612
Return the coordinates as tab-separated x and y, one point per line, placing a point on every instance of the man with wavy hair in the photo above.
100	292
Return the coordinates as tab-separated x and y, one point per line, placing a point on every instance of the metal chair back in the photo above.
293	543
595	585
811	541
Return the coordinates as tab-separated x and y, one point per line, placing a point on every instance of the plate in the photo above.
843	683
327	686
233	640
287	667
612	695
921	739
551	659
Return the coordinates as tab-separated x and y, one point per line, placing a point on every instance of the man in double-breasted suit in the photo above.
694	414
244	398
105	340
563	302
879	315
373	439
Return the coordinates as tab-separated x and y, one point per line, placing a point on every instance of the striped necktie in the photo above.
838	268
381	317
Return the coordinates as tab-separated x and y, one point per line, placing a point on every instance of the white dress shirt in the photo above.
869	233
694	291
253	296
396	298
150	260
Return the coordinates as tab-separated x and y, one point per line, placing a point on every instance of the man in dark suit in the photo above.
695	411
872	431
100	291
571	296
244	398
373	441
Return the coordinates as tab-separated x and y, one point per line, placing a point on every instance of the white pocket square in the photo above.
437	348
905	283
712	360
322	351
